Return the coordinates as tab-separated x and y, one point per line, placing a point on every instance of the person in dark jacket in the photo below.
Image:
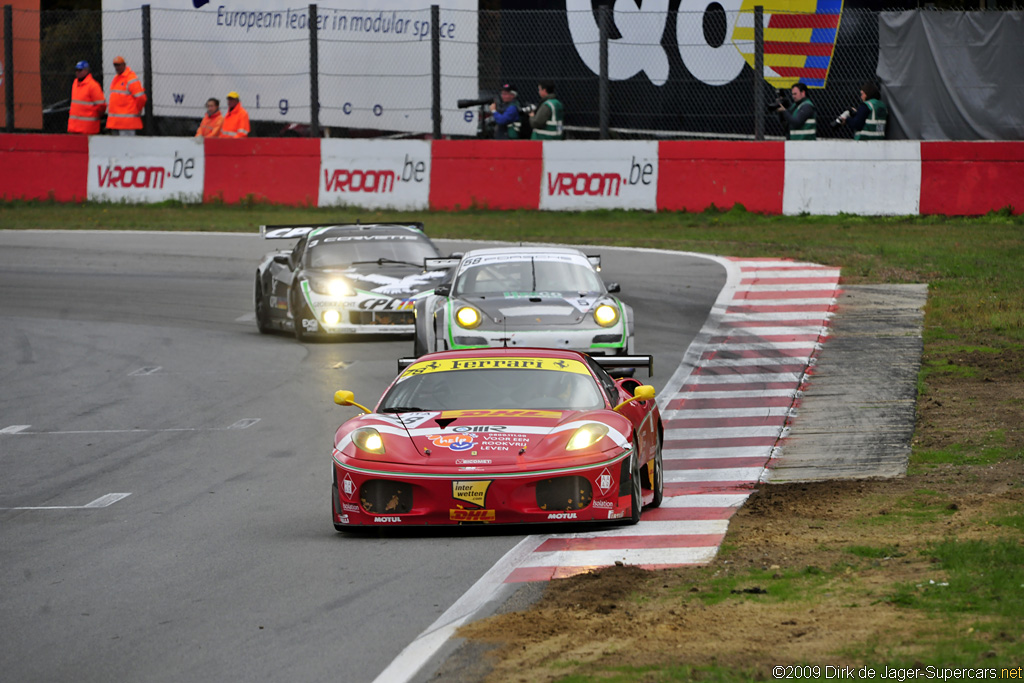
869	117
506	114
799	118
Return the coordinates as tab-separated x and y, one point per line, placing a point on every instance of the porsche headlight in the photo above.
331	317
606	315
468	317
368	439
335	286
586	436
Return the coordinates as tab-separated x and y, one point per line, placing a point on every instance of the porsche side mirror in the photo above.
283	259
613	287
443	290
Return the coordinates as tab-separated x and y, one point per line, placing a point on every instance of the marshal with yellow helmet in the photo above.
518	297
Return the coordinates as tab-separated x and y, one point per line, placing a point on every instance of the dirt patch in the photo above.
808	571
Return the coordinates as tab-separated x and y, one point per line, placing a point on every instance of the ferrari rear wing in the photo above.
291	232
609	363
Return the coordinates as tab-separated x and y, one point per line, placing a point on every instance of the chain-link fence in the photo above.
619	74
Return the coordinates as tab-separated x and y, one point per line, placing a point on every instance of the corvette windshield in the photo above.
330	252
527	275
490	388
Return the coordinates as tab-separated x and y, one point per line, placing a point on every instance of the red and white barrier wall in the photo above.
822	177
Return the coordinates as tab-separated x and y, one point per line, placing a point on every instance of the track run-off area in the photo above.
165	514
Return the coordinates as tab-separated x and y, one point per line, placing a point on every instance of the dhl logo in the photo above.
471	515
799	39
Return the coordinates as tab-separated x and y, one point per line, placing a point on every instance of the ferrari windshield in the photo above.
542	273
422	388
344	250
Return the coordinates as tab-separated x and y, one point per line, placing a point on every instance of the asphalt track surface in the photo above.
130	364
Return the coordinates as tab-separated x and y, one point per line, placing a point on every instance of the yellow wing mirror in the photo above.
347	398
644	392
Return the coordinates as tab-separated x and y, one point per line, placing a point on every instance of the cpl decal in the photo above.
472	492
455	442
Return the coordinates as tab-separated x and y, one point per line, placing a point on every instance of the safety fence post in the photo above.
8	70
314	75
435	68
603	106
759	106
147	68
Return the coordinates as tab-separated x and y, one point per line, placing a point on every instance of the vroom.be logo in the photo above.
599	184
374	180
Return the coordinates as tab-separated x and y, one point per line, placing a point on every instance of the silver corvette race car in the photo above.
524	296
342	279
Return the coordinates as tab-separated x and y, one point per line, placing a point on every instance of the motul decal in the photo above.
563	515
387	520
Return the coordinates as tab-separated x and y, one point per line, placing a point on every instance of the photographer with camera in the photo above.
548	120
505	112
799	117
869	117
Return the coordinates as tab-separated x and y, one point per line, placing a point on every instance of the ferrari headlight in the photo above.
606	315
335	286
368	439
331	317
586	436
468	317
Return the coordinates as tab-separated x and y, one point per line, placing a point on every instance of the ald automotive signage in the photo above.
374	58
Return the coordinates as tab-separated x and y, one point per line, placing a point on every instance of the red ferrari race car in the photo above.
501	436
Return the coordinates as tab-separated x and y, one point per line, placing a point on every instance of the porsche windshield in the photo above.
330	252
527	275
493	388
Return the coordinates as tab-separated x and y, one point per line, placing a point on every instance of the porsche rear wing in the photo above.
609	363
441	262
595	261
291	232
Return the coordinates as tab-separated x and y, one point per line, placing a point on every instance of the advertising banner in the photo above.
145	170
374	59
685	67
581	175
375	174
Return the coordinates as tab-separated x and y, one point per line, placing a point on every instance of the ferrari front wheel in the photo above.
636	496
658	477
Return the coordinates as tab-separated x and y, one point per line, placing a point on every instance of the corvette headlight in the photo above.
331	317
586	436
606	315
336	286
468	317
368	439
